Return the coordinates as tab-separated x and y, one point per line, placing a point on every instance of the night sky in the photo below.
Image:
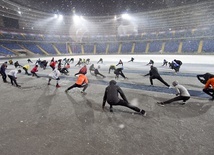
101	7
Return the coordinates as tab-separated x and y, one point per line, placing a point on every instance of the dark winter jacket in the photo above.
153	72
111	93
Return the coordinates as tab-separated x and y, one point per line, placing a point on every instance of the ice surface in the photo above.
40	119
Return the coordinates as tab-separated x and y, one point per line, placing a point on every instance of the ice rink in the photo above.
40	119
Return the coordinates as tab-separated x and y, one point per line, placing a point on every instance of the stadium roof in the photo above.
101	7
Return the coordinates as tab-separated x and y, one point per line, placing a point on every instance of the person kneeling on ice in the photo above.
209	88
54	75
111	96
182	94
203	78
82	81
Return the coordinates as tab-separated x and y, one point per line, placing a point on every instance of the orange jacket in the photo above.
82	79
210	82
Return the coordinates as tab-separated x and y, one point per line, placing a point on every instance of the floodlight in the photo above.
126	16
76	18
60	16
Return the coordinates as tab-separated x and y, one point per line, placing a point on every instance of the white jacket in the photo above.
182	91
55	74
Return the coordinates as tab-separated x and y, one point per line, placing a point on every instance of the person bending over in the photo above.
182	94
82	81
203	78
54	75
13	76
112	67
111	96
209	88
153	73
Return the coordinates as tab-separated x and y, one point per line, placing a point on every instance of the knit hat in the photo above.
174	83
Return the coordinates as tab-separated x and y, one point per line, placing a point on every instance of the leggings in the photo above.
209	91
178	98
125	104
12	79
79	86
159	78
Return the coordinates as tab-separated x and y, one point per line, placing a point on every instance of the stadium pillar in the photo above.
133	47
68	47
55	48
200	46
163	47
119	49
42	50
82	49
180	47
95	48
147	47
107	48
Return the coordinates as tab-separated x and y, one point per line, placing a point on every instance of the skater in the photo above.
29	61
182	94
79	62
87	61
153	73
38	62
209	88
43	64
26	68
112	67
165	62
10	62
96	72
16	64
100	61
64	70
54	75
91	68
52	60
59	66
203	78
71	60
53	64
118	72
120	63
13	76
151	62
111	96
3	73
82	81
175	64
34	70
83	70
132	60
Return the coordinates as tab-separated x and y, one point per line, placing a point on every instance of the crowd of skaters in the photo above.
62	66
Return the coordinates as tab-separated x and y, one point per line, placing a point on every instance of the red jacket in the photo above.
83	70
35	69
53	64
